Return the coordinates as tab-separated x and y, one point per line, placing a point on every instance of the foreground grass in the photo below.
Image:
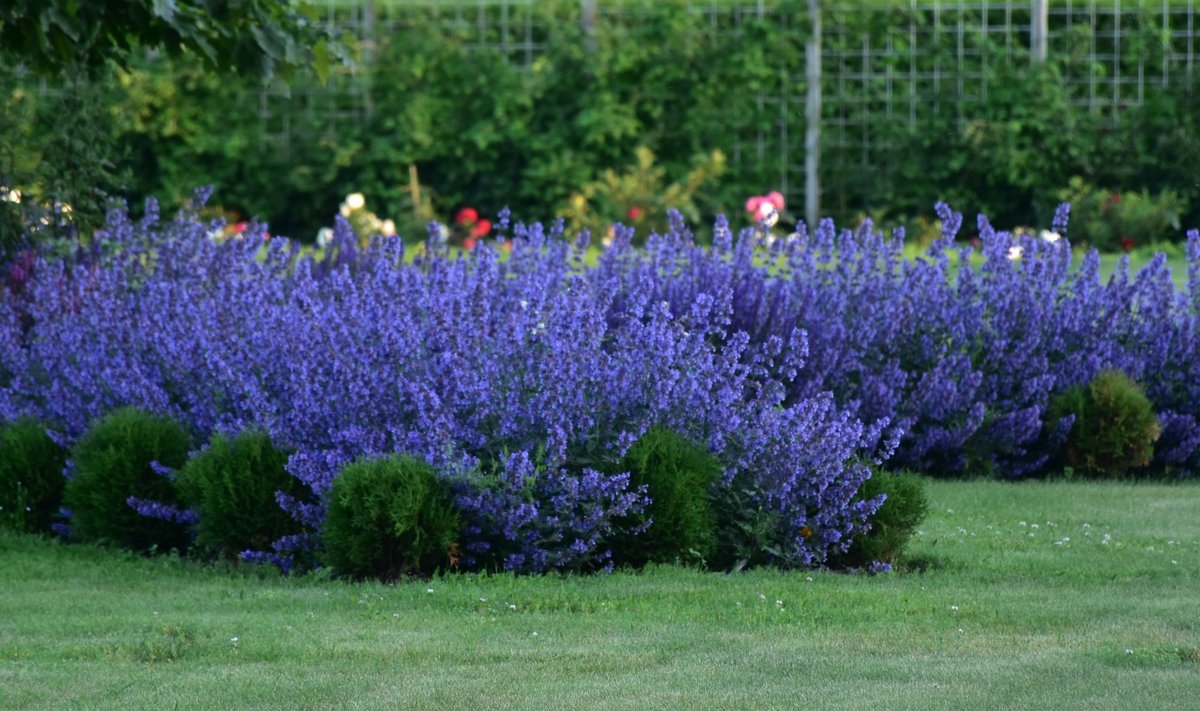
1046	595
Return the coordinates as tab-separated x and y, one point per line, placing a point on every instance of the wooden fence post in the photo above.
812	111
1038	29
588	9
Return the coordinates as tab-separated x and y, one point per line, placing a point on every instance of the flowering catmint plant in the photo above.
796	360
960	359
516	378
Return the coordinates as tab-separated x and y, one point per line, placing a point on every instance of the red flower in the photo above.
1127	244
238	227
469	243
1114	198
467	216
481	228
635	213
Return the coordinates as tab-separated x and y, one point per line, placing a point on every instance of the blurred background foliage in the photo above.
433	119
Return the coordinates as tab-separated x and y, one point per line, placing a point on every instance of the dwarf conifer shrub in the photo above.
1115	427
678	475
232	486
31	476
120	492
891	525
389	517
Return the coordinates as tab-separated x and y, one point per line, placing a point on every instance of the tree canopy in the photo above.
267	38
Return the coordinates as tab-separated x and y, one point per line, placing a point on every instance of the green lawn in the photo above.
1040	595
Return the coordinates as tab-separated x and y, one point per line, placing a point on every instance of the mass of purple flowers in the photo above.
960	359
799	361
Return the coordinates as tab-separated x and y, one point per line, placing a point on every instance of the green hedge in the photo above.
487	128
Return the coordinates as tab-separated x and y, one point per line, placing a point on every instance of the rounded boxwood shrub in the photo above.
388	517
31	476
892	524
678	475
1115	427
112	465
231	486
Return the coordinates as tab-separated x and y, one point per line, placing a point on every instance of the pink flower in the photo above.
754	203
776	199
635	213
467	215
481	228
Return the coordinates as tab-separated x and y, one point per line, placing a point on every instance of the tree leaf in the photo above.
165	9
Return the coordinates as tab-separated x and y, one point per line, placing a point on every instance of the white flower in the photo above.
7	195
355	201
1014	252
767	214
324	237
387	228
344	210
1051	237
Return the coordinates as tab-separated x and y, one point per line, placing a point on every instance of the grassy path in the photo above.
1022	596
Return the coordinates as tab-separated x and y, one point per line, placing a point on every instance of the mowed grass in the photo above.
1034	595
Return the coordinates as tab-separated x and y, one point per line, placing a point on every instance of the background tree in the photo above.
59	184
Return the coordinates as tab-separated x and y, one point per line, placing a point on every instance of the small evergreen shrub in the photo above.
389	517
1115	427
116	495
891	525
231	485
678	475
31	476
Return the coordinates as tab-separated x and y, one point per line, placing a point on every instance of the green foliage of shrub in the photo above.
1110	221
640	197
490	126
31	476
748	534
1115	426
232	485
389	517
112	463
892	525
678	475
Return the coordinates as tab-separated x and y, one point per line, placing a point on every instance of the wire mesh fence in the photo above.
886	65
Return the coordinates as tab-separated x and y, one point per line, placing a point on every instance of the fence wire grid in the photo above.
883	62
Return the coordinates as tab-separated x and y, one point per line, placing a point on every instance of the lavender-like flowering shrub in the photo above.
961	359
509	376
792	359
